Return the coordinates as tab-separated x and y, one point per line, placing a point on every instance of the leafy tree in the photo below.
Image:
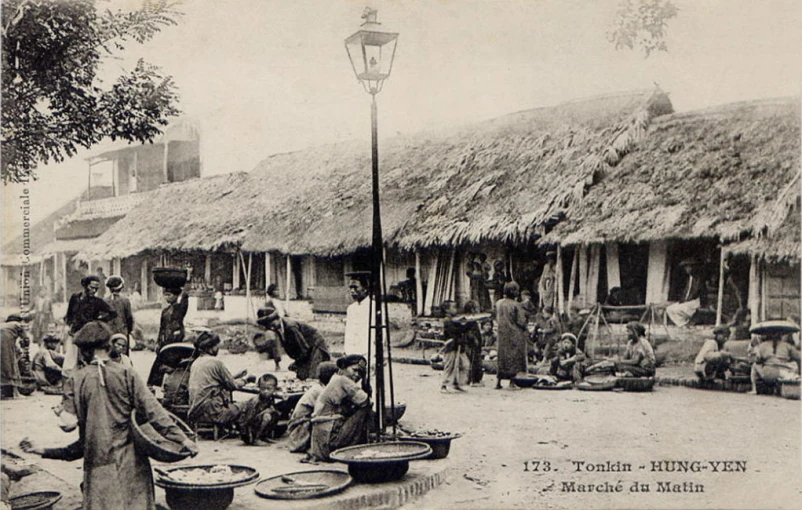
641	24
53	100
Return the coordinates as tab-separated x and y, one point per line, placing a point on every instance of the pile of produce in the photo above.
375	454
294	386
205	476
427	434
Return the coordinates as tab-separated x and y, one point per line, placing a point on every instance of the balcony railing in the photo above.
108	207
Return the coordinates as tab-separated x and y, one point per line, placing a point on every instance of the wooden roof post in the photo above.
720	287
559	281
418	286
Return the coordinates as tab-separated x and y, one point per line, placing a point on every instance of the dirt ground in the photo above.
521	448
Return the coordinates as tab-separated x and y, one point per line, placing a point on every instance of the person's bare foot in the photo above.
458	388
443	389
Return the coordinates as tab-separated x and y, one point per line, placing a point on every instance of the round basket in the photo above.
35	501
525	380
170	277
790	389
149	442
391	416
600	384
636	383
27	386
440	445
304	485
380	462
245	474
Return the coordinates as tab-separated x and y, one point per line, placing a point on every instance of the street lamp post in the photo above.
371	51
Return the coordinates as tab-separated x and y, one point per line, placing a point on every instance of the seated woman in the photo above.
342	411
299	428
211	384
639	359
776	361
258	415
568	363
47	364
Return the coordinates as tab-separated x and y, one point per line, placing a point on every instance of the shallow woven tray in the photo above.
402	451
148	441
35	500
167	483
333	481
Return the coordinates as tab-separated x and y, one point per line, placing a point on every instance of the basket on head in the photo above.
149	442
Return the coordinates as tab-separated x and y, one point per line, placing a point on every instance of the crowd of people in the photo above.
92	370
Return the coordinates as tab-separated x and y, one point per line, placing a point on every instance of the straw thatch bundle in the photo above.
720	173
496	180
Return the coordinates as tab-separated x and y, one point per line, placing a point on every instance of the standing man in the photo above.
84	307
103	396
358	334
123	324
547	285
300	341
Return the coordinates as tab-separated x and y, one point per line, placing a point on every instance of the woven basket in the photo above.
790	389
636	383
148	441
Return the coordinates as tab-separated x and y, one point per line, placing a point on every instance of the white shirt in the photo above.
357	324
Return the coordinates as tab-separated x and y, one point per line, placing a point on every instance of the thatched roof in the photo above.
199	214
720	173
496	180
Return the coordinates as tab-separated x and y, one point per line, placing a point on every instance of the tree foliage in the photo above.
641	24
53	100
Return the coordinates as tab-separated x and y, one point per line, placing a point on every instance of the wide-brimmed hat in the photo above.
93	334
115	282
569	336
264	316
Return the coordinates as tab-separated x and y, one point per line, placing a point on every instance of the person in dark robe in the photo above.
102	396
123	323
11	331
299	428
478	283
84	307
171	330
500	279
342	411
513	335
303	343
211	384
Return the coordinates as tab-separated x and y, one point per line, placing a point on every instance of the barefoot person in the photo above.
258	415
513	335
342	411
299	428
103	394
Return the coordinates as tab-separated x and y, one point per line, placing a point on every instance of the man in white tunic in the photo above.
358	335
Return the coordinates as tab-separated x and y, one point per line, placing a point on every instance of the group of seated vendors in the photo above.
563	359
333	413
769	358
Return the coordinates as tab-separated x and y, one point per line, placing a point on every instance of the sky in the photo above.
270	76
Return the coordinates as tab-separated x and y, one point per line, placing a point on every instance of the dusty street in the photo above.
524	448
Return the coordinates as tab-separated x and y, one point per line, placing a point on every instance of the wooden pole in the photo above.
720	287
572	279
418	286
207	269
268	276
287	280
558	281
